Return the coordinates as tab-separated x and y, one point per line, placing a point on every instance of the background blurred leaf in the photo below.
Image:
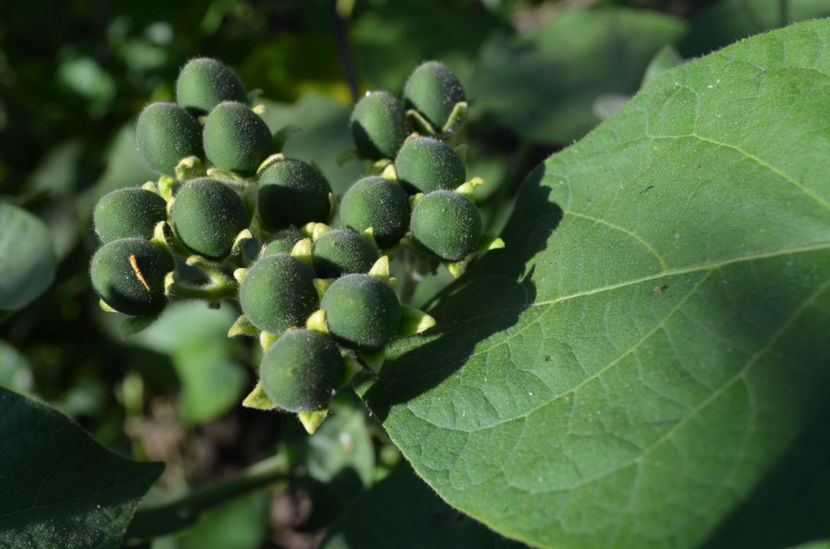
27	257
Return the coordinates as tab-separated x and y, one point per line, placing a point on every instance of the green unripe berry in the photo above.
301	370
130	212
342	251
166	133
378	125
128	274
426	164
446	224
207	216
236	138
433	90
203	83
278	293
378	203
282	242
361	311
292	192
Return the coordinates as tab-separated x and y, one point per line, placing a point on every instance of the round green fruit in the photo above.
128	274
282	242
378	125
236	138
361	311
301	370
203	83
342	251
446	224
278	293
166	133
207	216
130	212
426	164
433	90
292	192
379	203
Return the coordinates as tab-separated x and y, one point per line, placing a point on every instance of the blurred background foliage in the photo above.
74	75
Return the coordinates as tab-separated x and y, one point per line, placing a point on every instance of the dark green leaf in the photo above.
27	257
60	488
654	337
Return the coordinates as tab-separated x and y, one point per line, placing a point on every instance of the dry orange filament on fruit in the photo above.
137	271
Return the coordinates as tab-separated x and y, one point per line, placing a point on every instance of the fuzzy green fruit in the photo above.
361	311
342	251
166	133
130	212
446	224
292	192
433	90
203	83
207	216
379	203
236	138
426	164
278	293
282	242
378	125
301	371
128	274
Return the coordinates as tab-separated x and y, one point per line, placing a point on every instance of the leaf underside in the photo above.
654	338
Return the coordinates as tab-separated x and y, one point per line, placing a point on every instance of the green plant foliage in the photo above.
203	83
128	212
426	164
128	274
278	293
378	125
342	251
654	337
361	311
292	192
236	138
446	224
207	215
403	512
301	370
61	489
379	203
433	90
27	257
166	133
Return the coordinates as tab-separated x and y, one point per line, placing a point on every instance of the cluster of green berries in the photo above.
232	218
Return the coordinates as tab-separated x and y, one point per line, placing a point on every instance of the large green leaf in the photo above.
27	257
654	337
60	488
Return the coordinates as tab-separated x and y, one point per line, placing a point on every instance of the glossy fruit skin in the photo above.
278	293
379	203
378	125
207	216
426	164
433	90
342	251
446	224
361	311
165	134
129	212
282	242
203	83
301	371
292	192
236	138
118	280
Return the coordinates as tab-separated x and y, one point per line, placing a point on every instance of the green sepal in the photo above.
321	285
332	206
160	235
224	175
268	162
420	123
489	242
389	172
239	274
242	327
369	234
302	251
150	186
317	322
456	268
373	359
282	135
468	187
351	367
258	400
266	339
189	167
244	234
170	284
105	307
314	230
312	420
380	269
414	321
259	109
166	186
135	324
414	199
456	118
379	165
